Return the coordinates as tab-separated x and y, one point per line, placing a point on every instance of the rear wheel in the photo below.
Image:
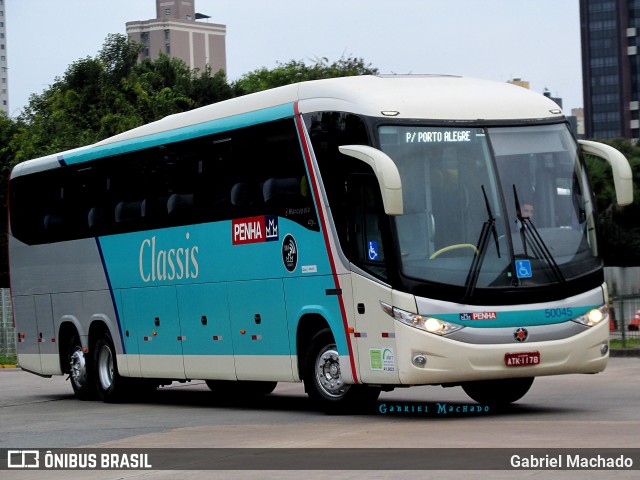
324	383
498	392
80	370
109	383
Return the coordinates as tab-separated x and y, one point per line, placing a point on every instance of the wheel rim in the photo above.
105	367
328	375
78	370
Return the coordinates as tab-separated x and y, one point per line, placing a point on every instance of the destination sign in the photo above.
438	136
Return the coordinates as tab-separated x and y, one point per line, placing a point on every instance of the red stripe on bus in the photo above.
316	194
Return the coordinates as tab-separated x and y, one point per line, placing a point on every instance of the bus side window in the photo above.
54	224
180	205
282	196
327	131
366	239
128	212
96	220
154	210
241	195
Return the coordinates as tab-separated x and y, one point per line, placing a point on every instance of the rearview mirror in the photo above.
622	176
386	172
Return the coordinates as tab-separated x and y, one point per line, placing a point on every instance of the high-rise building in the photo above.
176	32
4	72
611	67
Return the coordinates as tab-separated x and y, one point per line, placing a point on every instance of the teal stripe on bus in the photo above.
180	134
521	318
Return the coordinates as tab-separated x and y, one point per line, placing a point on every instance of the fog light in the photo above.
419	360
604	348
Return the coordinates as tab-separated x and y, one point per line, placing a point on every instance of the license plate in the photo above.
522	359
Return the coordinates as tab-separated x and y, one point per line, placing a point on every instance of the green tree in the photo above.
72	112
620	226
298	71
111	93
8	129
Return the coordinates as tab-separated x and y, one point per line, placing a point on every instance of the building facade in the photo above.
610	32
4	71
176	32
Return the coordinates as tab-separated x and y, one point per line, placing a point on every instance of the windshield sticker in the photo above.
372	250
523	269
479	316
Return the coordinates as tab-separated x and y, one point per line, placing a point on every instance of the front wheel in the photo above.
324	383
498	392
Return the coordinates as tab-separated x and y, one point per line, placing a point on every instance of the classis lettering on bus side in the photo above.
167	264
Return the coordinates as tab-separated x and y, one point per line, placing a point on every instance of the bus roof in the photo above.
427	97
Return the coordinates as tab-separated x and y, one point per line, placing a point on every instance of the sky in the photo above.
536	40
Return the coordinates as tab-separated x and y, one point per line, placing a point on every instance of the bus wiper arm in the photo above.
492	221
488	228
529	232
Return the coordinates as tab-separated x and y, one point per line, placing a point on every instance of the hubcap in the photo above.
78	369
105	367
328	373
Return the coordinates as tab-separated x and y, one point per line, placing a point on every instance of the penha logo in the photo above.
254	230
478	316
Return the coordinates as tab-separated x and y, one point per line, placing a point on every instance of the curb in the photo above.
624	352
8	366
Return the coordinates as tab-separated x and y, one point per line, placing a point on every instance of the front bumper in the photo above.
450	361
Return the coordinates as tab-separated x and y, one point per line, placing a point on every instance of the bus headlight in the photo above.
428	324
593	317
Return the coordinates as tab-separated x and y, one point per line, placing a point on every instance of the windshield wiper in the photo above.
488	227
529	234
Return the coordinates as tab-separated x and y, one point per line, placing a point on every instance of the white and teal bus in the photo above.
356	234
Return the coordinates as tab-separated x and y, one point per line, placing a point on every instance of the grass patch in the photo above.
628	343
10	360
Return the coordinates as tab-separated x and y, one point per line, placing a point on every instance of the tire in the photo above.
109	384
80	370
498	392
241	388
323	380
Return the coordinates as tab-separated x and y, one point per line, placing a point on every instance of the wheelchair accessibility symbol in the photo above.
373	250
523	269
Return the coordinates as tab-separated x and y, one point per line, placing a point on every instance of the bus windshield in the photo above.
492	207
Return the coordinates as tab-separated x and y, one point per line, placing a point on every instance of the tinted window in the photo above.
254	171
351	188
